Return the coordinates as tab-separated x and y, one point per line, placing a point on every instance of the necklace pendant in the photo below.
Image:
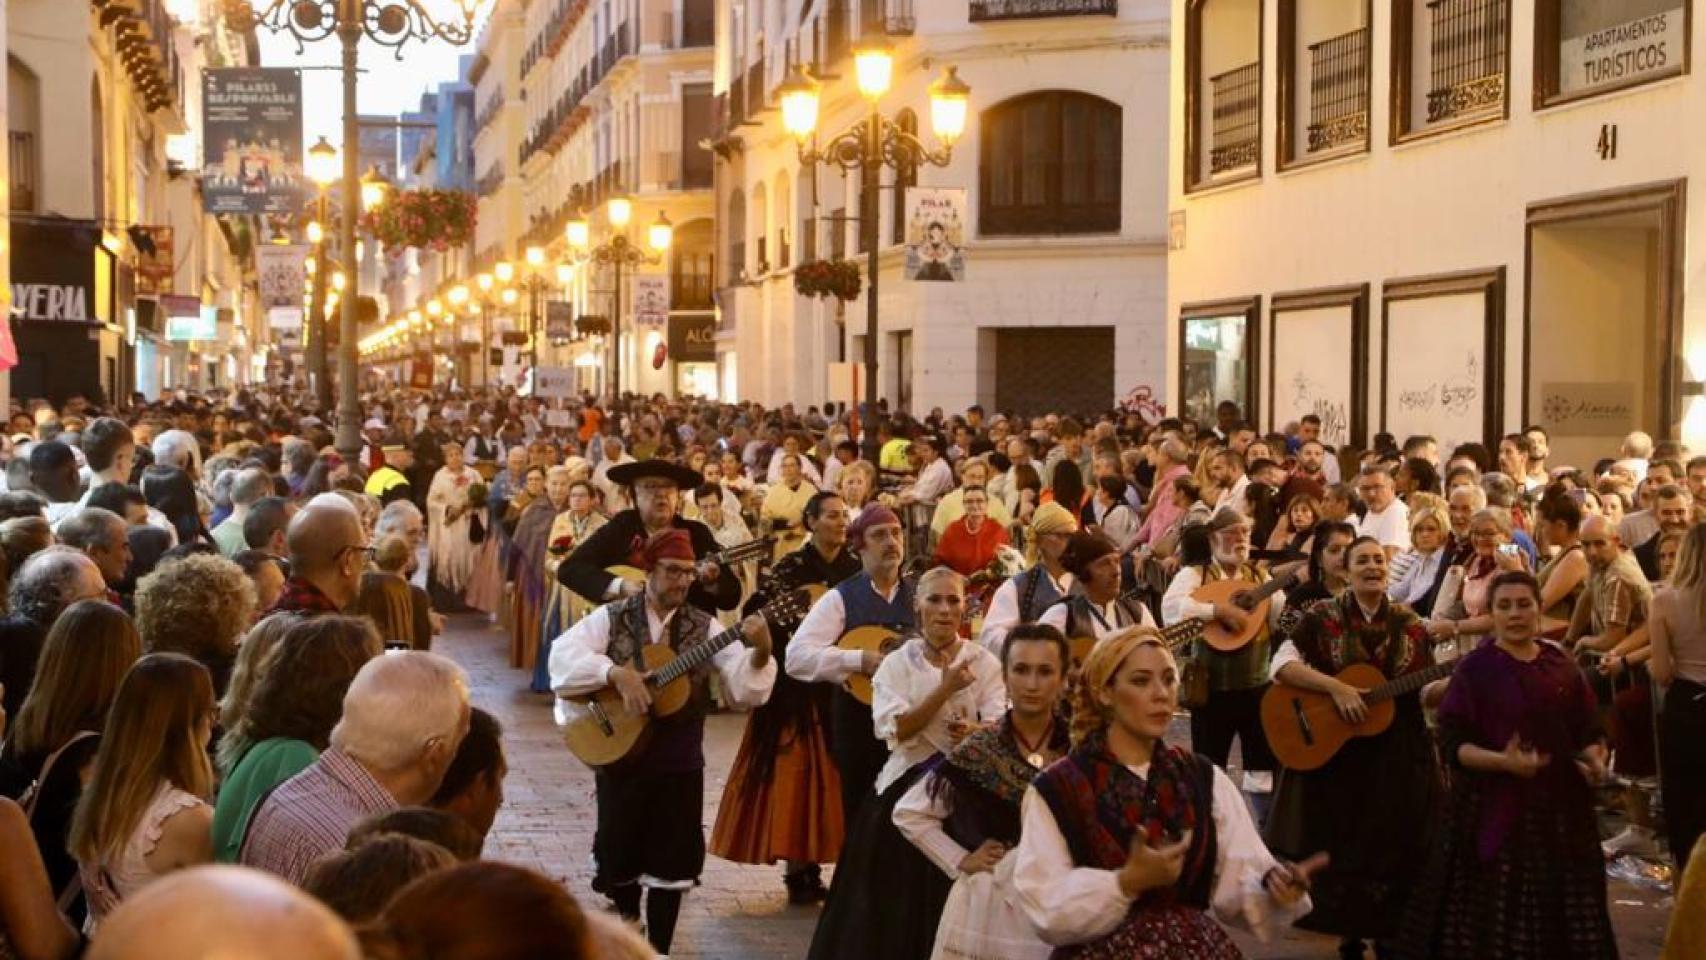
1035	760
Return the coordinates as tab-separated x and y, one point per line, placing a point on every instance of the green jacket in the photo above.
263	767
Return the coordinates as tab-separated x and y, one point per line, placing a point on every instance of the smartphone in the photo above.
1509	549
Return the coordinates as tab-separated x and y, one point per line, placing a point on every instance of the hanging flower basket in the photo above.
829	278
425	219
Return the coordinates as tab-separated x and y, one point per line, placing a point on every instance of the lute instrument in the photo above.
598	728
1304	727
737	554
1253	598
872	638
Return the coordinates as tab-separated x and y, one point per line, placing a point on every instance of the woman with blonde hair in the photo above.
1676	621
1416	573
857	486
1127	843
145	811
57	732
251	654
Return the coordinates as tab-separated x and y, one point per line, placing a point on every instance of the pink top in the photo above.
1163	512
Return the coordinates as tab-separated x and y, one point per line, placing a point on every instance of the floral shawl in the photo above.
984	780
1336	634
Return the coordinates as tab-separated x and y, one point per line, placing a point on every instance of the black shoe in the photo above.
805	887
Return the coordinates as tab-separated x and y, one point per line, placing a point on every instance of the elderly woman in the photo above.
1127	843
569	528
1516	870
974	472
1418	571
528	552
971	541
199	606
928	696
858	487
1468	615
450	518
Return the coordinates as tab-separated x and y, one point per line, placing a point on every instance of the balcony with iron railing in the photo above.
1338	91
983	11
21	153
693	282
693	28
1466	57
893	17
488	113
1235	130
143	34
756	94
489	182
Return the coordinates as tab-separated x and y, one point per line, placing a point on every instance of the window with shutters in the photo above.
1050	165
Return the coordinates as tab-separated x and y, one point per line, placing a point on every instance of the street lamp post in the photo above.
322	169
869	146
389	23
621	254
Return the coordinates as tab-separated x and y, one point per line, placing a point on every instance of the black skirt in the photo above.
650	829
887	898
1370	808
1540	897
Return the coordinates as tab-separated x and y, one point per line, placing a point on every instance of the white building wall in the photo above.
1451	202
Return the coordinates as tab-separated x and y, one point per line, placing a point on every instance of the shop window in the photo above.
1587	47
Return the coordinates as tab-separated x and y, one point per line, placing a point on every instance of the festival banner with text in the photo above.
252	141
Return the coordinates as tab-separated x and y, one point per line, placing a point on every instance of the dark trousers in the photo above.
859	755
1682	767
1228	714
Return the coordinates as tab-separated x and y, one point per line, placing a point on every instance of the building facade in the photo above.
104	143
577	103
1061	304
1454	218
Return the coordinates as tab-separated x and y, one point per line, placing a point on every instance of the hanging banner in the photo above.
282	273
693	338
420	372
935	234
559	319
651	300
156	259
252	140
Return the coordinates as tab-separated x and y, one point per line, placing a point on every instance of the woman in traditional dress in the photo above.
1127	843
486	589
449	519
886	898
1327	575
783	798
1515	871
569	529
526	569
965	815
1374	866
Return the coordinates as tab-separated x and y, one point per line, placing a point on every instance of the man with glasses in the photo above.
1388	518
1022	599
328	554
655	487
651	802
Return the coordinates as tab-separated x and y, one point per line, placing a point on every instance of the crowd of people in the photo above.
962	661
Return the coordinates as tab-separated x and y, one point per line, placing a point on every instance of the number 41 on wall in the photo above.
1607	146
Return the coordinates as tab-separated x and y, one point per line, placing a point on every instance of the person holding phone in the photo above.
1462	613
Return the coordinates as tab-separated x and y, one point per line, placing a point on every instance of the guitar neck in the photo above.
1409	682
695	657
1262	591
1181	633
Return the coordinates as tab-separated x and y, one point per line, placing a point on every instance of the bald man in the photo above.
206	913
328	553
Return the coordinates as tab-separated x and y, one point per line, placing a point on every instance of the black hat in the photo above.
1084	549
628	474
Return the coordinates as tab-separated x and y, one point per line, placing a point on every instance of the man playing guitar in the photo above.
1094	608
877	596
651	803
656	487
1236	680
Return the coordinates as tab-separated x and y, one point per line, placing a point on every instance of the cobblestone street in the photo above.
741	912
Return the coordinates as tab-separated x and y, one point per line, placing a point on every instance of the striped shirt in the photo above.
311	814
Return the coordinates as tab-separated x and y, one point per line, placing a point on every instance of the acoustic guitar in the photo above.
600	730
1252	598
737	554
1304	728
1176	636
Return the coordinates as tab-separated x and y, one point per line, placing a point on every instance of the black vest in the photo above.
676	743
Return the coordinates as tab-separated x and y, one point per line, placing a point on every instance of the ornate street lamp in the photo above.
321	166
389	23
867	147
621	254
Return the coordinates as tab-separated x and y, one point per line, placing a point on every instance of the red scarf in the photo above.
300	596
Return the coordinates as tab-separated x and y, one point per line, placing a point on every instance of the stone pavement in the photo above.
741	912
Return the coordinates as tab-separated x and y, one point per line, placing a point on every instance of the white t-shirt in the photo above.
1390	526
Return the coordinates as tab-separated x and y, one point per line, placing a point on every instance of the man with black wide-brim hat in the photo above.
655	486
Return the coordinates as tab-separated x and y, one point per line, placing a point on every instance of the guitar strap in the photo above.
1030	594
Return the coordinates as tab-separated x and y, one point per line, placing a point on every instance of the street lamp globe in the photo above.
373	189
661	234
621	212
873	64
510	296
322	165
565	274
316	233
949	98
458	295
484	282
578	233
799	96
434	308
536	257
505	272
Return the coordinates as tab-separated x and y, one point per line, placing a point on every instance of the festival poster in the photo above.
282	273
252	141
156	259
935	234
651	300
